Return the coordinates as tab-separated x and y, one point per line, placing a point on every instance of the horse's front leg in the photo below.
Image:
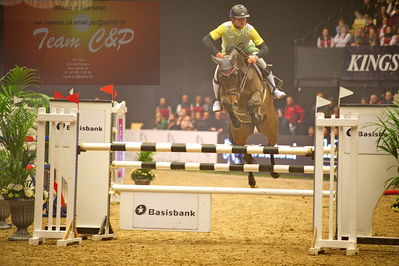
254	104
230	106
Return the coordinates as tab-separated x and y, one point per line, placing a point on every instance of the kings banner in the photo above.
106	42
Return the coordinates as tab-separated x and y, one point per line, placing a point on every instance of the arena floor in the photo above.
246	230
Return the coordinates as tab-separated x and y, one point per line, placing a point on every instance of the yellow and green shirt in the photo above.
248	37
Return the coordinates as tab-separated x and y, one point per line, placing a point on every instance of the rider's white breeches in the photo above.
215	85
262	63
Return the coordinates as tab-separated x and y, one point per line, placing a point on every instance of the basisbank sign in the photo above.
371	62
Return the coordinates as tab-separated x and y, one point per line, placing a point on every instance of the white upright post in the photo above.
319	242
63	141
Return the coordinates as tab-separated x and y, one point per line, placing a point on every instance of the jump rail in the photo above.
215	190
302	169
199	148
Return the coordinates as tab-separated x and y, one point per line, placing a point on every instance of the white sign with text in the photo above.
165	211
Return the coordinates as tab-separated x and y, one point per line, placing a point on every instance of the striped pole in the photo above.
199	148
302	169
215	190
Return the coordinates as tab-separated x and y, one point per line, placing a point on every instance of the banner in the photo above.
371	62
107	42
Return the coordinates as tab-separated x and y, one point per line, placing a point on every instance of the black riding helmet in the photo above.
239	11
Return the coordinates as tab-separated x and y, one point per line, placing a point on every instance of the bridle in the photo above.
235	70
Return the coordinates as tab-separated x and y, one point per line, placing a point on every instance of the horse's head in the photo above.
228	78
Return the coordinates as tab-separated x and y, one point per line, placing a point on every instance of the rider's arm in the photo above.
255	37
208	43
263	50
214	35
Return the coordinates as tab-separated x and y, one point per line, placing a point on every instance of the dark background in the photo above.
185	64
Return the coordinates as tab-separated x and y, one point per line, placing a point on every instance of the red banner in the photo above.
107	42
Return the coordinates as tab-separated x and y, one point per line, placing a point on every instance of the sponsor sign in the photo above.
371	62
165	211
367	135
104	42
92	126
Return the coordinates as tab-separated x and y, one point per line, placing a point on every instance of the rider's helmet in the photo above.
239	11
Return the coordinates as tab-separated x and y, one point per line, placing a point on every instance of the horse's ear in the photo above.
216	60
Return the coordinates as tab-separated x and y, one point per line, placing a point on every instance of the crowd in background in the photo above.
376	23
189	116
294	119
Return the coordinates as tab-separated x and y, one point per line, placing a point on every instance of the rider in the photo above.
239	32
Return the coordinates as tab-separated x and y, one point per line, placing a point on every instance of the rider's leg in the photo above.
217	106
273	89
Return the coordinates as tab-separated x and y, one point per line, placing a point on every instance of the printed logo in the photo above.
141	209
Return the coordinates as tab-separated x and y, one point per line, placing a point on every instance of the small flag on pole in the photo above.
110	90
72	98
343	93
320	101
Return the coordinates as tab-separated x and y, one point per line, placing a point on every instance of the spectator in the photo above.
367	8
163	108
172	122
197	107
389	39
342	39
368	26
325	40
364	100
184	104
160	121
181	115
374	99
379	4
294	116
391	7
186	123
372	39
326	132
381	29
382	12
197	118
341	22
203	124
388	98
219	123
207	104
394	21
358	38
336	111
311	131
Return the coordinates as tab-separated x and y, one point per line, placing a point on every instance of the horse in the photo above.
248	102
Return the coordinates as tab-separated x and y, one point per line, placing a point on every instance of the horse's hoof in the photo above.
274	174
254	186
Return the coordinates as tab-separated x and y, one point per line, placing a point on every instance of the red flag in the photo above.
58	95
73	97
110	90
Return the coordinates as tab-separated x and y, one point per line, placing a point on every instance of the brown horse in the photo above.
248	103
